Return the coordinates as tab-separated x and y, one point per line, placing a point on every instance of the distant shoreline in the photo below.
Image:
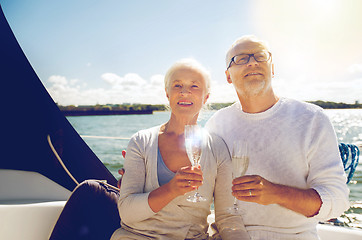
109	109
334	105
104	113
132	109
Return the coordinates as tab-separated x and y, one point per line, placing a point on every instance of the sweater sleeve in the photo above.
326	174
211	124
133	202
223	198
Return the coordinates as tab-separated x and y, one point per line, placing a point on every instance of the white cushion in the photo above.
19	185
30	205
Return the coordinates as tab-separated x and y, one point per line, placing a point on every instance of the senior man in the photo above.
295	176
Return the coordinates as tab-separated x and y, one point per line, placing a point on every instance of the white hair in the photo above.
188	63
245	38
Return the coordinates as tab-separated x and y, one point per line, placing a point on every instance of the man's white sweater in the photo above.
293	143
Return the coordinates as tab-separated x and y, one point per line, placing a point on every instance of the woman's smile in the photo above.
185	103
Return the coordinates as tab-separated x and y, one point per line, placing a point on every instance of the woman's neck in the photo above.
176	125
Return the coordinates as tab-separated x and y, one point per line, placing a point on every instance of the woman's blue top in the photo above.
163	172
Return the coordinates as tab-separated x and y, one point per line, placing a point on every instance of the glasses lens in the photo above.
244	58
262	56
241	59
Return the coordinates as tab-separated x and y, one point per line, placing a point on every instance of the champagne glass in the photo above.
193	145
240	163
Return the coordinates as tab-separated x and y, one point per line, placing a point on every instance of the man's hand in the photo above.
254	188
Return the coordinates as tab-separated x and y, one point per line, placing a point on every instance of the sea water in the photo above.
107	136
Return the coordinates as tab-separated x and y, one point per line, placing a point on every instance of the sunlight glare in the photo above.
312	40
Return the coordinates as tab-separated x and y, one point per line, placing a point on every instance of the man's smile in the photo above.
253	74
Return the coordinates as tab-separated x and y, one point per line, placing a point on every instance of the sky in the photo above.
89	52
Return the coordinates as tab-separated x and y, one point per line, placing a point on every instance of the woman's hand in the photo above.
119	182
186	180
121	171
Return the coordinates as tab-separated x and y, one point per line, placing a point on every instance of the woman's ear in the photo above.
206	97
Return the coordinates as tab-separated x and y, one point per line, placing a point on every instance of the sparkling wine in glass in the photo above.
193	145
240	163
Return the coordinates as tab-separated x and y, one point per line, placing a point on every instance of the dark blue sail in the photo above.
29	115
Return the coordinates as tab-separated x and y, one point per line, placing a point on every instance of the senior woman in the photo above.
159	177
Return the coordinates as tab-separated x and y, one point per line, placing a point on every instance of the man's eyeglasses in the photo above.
242	59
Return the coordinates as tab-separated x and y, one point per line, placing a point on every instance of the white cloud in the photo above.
73	81
130	79
131	88
133	79
355	68
157	80
58	80
111	78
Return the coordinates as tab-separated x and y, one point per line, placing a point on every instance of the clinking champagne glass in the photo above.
193	145
240	163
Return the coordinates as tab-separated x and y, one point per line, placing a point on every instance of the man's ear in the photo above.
228	78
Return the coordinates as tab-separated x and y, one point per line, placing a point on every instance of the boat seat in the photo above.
30	204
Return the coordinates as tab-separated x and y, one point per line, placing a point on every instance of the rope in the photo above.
350	163
60	160
68	172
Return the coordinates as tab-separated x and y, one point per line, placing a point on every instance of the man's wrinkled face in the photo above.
252	78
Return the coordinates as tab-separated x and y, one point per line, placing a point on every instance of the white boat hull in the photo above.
330	232
30	205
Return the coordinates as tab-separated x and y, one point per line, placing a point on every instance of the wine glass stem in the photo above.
196	164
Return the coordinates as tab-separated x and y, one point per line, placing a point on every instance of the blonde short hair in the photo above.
188	63
246	38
